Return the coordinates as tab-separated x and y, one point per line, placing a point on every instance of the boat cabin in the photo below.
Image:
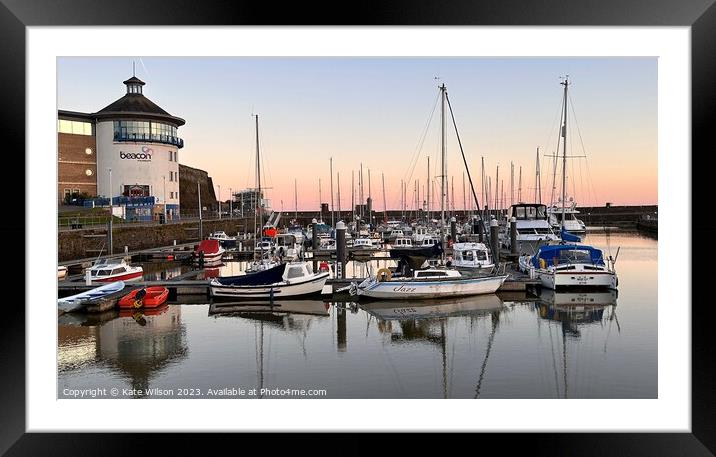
430	240
528	212
363	242
471	255
403	242
565	254
285	239
436	273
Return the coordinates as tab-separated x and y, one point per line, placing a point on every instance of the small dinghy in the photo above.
75	302
148	297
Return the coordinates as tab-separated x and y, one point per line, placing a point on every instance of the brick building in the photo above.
127	151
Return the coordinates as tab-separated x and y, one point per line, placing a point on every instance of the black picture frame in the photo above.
700	15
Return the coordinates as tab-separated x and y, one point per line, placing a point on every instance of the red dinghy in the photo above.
149	297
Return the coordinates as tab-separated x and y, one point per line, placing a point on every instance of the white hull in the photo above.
426	309
212	258
579	276
75	302
299	288
552	280
409	289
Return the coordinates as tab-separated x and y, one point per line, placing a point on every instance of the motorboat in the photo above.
208	252
572	224
287	280
111	270
570	265
425	283
76	302
364	244
473	257
533	228
223	239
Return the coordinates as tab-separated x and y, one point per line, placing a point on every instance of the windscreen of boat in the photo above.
481	255
102	272
530	212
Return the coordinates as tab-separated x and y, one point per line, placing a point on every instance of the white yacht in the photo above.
533	228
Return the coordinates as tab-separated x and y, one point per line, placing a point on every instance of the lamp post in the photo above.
111	212
231	204
219	201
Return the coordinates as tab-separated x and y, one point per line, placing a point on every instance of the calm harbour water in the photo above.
559	345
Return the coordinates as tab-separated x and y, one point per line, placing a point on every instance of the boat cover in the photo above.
571	237
260	278
550	252
208	246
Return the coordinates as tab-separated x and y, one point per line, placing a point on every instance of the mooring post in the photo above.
494	240
453	229
314	245
513	235
88	278
341	248
126	249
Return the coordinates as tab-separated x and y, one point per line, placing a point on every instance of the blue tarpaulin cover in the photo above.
584	254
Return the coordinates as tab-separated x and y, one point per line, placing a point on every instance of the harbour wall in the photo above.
80	244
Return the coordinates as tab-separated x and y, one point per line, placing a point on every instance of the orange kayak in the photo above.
148	297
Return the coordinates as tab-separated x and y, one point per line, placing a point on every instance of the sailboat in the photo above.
433	282
569	265
265	259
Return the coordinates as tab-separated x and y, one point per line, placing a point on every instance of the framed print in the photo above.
405	219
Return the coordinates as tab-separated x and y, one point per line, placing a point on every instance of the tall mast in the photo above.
538	180
452	195
485	201
565	83
258	177
295	198
385	209
497	193
428	189
333	222
353	196
519	187
338	177
443	171
360	191
464	201
512	183
320	201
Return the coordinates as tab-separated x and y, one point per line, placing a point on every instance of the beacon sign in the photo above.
144	156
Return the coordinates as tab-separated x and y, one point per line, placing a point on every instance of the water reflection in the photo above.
135	344
573	311
555	345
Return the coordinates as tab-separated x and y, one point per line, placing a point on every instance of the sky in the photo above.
382	113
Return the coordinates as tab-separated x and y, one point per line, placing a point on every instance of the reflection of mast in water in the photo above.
442	346
495	320
572	310
259	341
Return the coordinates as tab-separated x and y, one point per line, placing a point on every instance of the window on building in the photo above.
74	127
